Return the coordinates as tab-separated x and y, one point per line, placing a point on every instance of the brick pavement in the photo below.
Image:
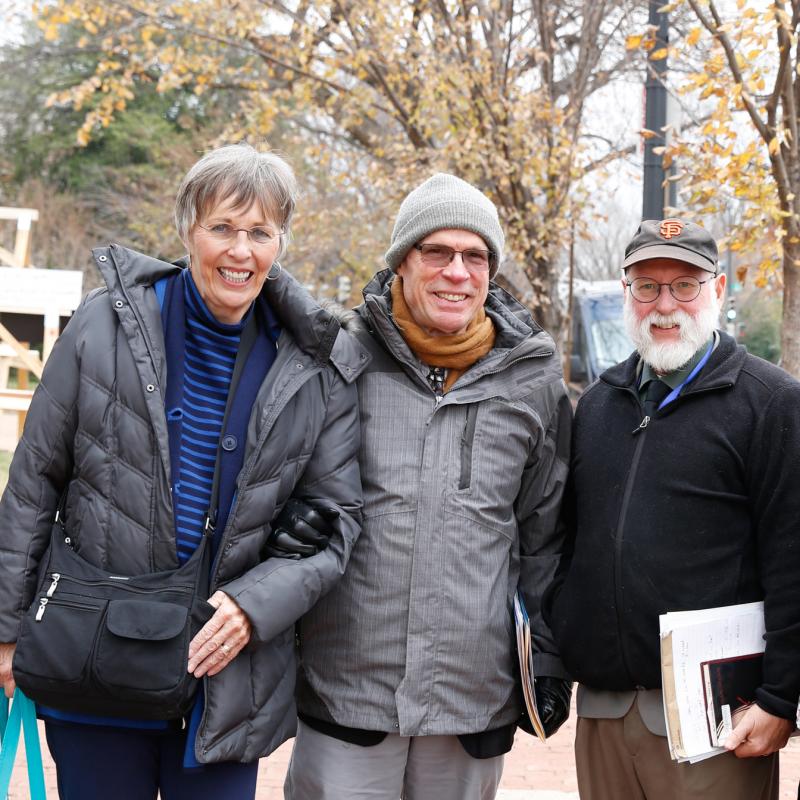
533	771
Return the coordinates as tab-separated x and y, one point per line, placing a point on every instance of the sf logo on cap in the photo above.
670	228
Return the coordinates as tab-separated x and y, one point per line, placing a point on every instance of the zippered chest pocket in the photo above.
467	444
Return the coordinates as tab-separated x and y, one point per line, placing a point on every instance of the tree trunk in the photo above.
551	317
790	328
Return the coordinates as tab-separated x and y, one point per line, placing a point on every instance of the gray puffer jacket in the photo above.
461	502
97	427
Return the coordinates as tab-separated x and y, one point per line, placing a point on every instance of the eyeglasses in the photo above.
227	233
438	256
685	289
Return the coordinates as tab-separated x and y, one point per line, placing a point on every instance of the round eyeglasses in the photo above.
438	256
685	289
227	233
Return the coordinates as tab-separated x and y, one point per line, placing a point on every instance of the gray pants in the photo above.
407	767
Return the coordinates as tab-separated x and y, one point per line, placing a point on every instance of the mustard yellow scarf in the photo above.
457	352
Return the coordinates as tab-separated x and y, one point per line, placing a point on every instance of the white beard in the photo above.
666	357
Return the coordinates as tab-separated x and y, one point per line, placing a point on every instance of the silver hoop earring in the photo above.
270	276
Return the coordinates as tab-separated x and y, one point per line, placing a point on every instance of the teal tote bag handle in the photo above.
21	719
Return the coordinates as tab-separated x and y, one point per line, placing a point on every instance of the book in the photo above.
525	654
729	689
691	640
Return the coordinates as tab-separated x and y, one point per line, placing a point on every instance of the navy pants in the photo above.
94	763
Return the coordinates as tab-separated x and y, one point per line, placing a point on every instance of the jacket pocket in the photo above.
467	443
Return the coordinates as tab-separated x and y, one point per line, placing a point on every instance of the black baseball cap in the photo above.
673	238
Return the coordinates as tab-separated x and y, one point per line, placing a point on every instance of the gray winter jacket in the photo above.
460	508
97	427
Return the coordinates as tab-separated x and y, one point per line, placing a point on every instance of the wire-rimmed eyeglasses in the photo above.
227	233
683	289
439	256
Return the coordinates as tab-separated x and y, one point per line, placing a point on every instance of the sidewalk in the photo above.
533	771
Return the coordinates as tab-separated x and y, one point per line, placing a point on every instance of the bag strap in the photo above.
246	342
22	717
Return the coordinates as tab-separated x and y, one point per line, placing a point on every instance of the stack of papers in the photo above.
710	668
525	653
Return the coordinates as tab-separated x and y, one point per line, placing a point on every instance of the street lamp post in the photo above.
656	194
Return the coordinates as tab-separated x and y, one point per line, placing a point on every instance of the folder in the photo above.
525	652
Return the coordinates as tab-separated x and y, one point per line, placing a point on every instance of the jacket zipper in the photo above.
165	466
618	538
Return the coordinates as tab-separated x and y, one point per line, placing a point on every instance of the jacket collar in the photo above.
722	369
515	327
314	329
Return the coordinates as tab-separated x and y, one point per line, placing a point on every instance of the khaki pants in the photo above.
619	759
414	768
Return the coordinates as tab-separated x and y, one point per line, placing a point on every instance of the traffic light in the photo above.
730	314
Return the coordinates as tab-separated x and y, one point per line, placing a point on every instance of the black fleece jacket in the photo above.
700	508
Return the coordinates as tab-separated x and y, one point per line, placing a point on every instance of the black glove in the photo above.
300	530
552	699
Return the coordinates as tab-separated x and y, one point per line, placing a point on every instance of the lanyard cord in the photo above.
690	377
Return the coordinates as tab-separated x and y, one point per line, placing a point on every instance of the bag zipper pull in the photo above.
42	606
56	578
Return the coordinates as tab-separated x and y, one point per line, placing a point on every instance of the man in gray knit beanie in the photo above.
445	201
408	684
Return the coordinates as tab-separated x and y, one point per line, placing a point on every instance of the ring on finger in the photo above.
226	648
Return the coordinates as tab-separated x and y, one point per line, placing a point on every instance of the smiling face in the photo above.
444	301
667	332
229	273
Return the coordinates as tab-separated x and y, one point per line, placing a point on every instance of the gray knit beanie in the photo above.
445	201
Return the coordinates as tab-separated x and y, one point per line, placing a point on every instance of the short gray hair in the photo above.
241	172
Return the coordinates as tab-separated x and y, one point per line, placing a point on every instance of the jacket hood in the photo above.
314	328
513	322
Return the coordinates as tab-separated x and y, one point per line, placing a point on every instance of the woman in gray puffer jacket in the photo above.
138	401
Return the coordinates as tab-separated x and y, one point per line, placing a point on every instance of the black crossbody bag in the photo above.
96	642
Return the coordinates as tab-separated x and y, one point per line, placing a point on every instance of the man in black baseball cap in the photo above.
673	296
682	497
676	239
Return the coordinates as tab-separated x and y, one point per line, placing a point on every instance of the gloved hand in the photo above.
300	530
552	699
